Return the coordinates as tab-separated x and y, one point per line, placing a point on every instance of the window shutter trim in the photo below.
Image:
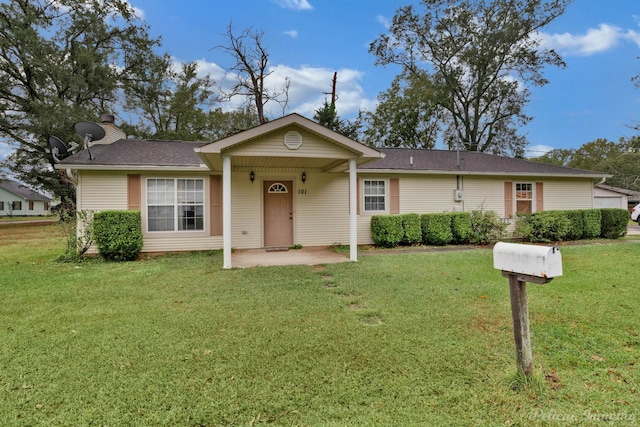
134	192
539	197
508	199
394	195
215	205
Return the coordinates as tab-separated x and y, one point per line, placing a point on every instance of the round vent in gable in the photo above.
293	140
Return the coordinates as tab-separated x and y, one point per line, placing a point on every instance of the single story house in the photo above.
18	200
292	181
606	196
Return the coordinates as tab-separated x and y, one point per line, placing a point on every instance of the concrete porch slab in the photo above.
305	256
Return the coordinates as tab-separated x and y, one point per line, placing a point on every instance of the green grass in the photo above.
402	339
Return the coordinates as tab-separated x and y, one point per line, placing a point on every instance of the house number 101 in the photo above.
302	191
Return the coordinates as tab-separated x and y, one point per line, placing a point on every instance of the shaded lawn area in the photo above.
404	339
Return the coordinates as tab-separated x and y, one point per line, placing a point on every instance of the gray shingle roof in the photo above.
22	191
126	152
444	161
129	152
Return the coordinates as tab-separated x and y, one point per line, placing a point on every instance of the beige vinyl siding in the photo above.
246	210
322	210
98	191
568	194
108	191
427	194
483	193
272	145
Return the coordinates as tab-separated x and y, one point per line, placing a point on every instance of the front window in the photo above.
524	198
31	205
16	206
1	206
175	204
374	195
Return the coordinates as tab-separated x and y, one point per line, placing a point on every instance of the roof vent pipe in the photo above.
411	161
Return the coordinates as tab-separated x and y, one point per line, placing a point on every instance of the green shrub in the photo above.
547	226
412	229
576	229
436	229
461	227
486	226
613	223
118	234
386	230
592	223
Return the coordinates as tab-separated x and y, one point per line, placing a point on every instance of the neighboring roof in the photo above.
471	163
632	196
22	191
143	154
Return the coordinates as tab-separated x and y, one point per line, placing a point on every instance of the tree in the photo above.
251	70
481	54
557	156
172	103
621	160
328	117
407	115
596	154
61	62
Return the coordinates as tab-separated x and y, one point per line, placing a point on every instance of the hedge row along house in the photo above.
292	181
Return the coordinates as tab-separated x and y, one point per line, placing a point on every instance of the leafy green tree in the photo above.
328	117
557	156
620	159
172	103
221	124
61	62
482	55
408	114
596	154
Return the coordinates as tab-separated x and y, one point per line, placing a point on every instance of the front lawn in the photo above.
402	339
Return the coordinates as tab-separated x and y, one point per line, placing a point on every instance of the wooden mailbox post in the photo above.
522	264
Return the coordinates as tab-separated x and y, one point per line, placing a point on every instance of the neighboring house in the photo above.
293	181
18	200
606	196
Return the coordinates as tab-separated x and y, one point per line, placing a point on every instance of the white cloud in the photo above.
384	21
294	4
291	33
595	40
633	36
307	90
535	151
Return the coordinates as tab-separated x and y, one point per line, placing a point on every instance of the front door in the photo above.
278	213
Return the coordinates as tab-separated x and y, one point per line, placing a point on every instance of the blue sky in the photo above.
310	39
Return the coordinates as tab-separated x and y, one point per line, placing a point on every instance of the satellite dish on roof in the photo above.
58	148
90	132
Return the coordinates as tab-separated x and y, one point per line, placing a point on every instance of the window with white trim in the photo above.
375	194
175	204
524	197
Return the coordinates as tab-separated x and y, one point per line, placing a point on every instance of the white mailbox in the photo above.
530	260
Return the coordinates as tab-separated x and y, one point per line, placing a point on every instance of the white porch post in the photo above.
353	214
226	211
